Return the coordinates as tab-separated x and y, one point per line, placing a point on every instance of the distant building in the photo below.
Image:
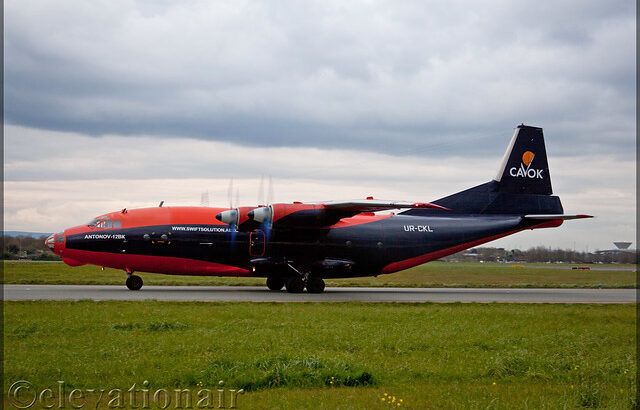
618	255
622	245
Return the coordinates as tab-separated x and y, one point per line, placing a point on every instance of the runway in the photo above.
334	294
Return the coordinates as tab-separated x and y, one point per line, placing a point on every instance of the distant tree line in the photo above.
27	247
541	254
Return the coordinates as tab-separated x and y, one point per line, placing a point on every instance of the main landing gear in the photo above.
275	283
134	282
296	283
315	285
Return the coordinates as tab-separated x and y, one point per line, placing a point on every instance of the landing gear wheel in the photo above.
315	285
275	283
294	285
134	282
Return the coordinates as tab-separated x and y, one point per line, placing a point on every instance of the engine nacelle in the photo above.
229	217
261	214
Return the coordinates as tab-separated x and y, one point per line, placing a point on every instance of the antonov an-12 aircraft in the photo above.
297	245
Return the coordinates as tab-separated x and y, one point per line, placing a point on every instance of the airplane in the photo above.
298	245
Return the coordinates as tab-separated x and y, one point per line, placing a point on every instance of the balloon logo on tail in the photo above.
527	157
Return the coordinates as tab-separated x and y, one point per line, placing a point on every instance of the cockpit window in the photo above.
104	222
93	223
60	237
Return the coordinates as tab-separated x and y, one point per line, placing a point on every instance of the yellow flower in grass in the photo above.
494	383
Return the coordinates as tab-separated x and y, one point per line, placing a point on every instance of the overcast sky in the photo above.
125	103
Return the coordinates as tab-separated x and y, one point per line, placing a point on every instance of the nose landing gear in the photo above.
134	282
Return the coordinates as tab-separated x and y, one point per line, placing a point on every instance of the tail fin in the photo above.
524	168
522	186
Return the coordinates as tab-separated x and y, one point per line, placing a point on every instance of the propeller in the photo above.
264	214
261	191
270	192
204	198
230	216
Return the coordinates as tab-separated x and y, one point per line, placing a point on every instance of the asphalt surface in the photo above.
337	294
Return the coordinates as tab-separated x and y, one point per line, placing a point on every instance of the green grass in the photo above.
340	355
434	274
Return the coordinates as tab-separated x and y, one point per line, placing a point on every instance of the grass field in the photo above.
434	274
343	355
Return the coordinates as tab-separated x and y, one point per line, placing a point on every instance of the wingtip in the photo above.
429	205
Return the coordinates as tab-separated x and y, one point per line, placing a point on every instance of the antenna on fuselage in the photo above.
161	203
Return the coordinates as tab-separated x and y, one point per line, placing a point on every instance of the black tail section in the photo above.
524	168
522	186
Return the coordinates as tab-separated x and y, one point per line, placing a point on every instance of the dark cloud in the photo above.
432	79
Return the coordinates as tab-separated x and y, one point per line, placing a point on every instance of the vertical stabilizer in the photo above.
524	168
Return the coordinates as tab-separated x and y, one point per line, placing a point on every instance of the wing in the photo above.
374	205
330	212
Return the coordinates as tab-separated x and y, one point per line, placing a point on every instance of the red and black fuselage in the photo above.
190	241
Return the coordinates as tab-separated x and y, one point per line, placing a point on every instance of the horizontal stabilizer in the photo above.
555	217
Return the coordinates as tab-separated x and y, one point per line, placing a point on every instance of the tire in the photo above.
134	282
294	285
315	285
275	283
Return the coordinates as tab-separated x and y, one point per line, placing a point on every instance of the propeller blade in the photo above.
230	193
204	198
270	194
261	191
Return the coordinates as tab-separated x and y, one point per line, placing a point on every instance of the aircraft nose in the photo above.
50	242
